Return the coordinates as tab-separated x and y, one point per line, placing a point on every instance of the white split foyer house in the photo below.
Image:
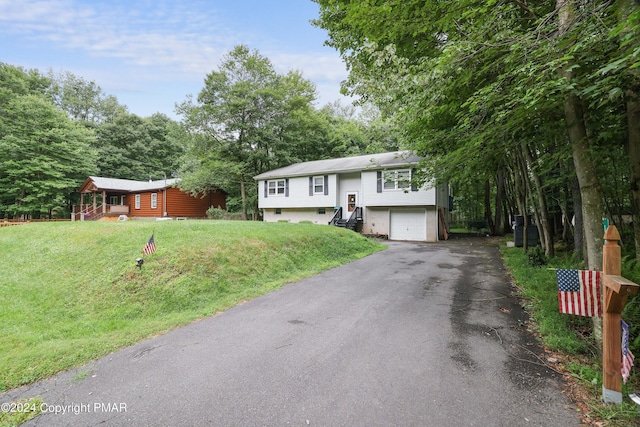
374	191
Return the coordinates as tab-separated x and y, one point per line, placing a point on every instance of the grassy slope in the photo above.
70	292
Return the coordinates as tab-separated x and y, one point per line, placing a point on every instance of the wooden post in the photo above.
81	206
616	289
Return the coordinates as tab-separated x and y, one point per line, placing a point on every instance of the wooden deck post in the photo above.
81	206
616	289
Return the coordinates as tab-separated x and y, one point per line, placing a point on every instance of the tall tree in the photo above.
83	100
131	147
43	157
248	115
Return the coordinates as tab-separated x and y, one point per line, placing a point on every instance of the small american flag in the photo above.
579	292
627	356
150	247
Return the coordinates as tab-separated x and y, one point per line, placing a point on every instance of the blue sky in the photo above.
152	54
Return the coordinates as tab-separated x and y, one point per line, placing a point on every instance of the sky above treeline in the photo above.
151	54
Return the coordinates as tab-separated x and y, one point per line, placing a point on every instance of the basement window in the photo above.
322	211
278	211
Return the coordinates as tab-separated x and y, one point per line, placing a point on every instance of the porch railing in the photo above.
89	213
356	216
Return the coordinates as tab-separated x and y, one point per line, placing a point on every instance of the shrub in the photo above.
216	213
537	257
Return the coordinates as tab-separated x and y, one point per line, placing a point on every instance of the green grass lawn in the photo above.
71	292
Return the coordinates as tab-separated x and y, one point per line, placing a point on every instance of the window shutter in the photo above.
266	189
286	187
311	186
326	185
414	186
379	176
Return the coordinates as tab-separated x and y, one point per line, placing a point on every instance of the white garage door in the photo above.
408	224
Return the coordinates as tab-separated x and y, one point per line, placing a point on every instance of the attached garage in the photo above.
408	224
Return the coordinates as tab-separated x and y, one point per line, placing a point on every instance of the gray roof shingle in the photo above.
344	165
131	185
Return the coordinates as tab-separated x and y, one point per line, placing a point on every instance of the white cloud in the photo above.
153	41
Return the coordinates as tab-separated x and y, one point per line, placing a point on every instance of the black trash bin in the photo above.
533	238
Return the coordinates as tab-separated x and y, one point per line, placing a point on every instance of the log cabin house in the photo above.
111	197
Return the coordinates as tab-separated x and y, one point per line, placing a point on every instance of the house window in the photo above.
137	201
397	180
318	185
278	211
276	187
322	211
113	200
154	200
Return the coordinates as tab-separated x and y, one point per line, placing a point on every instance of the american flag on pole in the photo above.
150	247
627	356
579	292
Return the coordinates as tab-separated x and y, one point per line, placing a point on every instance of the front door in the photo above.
351	204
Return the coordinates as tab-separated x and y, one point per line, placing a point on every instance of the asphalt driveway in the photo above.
416	335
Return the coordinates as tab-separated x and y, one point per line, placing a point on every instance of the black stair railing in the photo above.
356	216
337	216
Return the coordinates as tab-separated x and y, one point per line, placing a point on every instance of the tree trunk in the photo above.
578	224
632	94
566	218
487	208
542	203
524	196
633	120
243	194
499	194
590	189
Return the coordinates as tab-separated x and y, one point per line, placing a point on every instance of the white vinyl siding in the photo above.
298	194
425	196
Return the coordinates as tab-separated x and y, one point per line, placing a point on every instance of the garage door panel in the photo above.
408	224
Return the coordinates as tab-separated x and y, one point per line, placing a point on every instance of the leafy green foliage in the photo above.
43	156
537	257
131	147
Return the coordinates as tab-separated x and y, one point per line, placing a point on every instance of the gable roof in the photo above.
344	165
95	183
